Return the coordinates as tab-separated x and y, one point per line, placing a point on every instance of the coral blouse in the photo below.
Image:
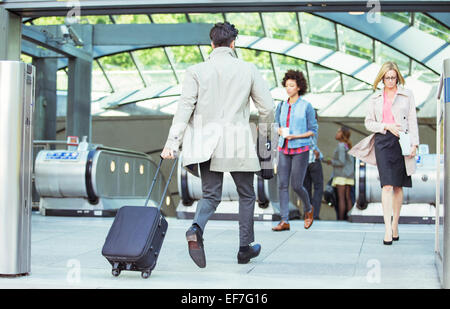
387	110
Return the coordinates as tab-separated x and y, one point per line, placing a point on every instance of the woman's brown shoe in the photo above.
282	226
309	218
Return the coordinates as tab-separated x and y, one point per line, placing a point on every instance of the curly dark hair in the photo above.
299	79
222	34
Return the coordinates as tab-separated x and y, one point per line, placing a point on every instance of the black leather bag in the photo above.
264	152
330	194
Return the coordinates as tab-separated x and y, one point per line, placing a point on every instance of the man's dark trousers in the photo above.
212	194
314	178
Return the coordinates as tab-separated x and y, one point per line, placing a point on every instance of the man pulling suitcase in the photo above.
212	125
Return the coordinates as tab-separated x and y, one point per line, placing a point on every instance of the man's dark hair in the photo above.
299	78
222	34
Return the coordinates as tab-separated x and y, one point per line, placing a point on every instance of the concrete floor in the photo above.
66	253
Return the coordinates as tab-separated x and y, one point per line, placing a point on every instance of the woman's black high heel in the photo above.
387	242
395	238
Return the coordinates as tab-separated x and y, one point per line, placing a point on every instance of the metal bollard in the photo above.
16	140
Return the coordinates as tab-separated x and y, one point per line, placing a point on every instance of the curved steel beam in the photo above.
116	7
418	45
424	48
113	39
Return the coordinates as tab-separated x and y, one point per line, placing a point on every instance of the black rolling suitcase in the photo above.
136	235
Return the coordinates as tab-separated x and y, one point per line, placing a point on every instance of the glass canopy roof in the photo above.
339	63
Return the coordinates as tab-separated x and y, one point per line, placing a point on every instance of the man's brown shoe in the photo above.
282	226
195	245
309	218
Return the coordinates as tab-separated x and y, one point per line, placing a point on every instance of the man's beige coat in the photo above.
212	119
404	112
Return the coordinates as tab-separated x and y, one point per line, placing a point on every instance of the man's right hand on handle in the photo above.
167	153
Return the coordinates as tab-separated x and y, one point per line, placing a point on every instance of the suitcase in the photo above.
136	235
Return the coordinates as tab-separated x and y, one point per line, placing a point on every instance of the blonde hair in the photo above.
387	66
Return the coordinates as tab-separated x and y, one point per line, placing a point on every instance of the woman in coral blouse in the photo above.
391	111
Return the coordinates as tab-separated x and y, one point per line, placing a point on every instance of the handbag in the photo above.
329	194
405	143
265	158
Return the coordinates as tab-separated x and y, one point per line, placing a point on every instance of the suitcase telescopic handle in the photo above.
167	183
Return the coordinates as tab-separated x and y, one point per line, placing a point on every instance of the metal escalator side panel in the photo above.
123	175
60	178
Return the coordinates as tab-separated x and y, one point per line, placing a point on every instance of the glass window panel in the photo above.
155	67
174	90
206	18
346	104
246	23
262	61
317	31
169	18
61	80
323	79
113	113
422	73
281	26
352	84
96	107
131	19
100	19
158	103
121	72
206	50
270	45
99	82
354	43
43	21
431	26
97	96
384	53
26	58
183	57
403	17
283	64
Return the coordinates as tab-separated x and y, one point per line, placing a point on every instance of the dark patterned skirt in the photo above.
390	161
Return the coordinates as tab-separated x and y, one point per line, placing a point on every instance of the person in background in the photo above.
297	123
314	176
391	110
343	172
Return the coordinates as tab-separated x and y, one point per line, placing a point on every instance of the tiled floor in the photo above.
66	253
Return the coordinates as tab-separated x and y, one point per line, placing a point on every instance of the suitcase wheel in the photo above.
115	272
145	274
